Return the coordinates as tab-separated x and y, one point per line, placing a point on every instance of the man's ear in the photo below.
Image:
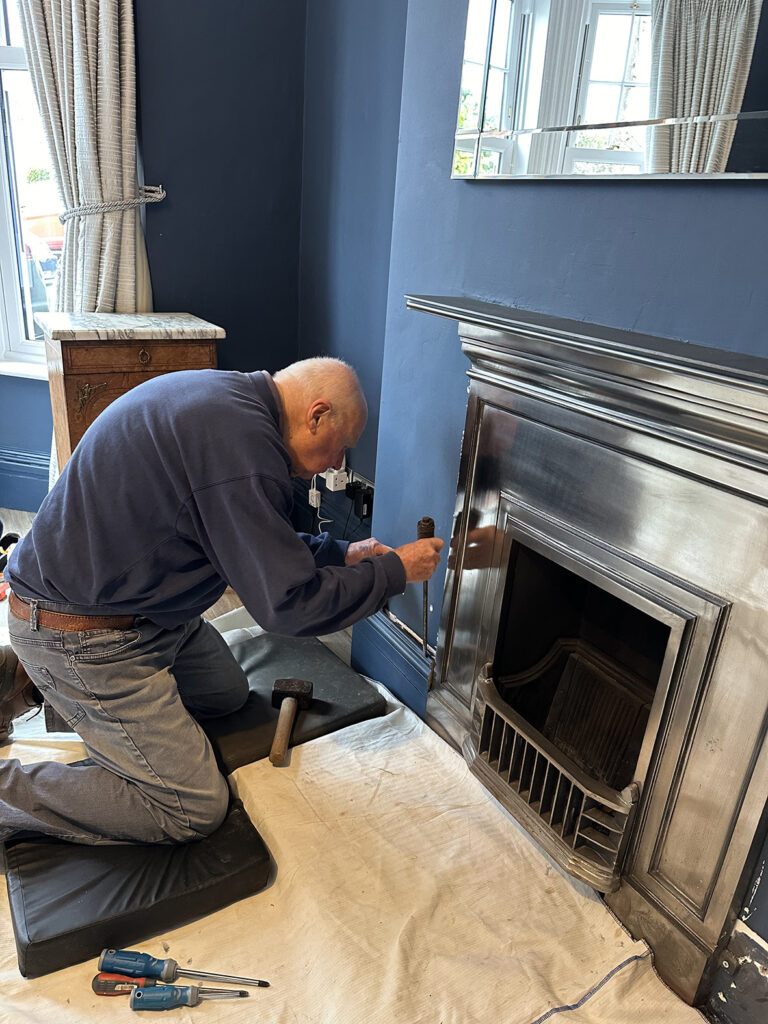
319	408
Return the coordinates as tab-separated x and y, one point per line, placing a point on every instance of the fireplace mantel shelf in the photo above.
579	336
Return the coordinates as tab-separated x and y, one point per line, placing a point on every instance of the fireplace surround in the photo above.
601	661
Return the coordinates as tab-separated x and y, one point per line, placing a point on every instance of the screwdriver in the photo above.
168	997
119	984
142	965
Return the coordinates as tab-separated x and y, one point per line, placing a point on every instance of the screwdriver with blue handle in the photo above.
122	985
168	997
142	965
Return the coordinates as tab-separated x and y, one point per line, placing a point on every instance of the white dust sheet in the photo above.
404	894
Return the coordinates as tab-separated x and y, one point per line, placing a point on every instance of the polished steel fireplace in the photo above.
602	659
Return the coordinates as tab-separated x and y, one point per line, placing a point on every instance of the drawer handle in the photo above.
144	356
86	392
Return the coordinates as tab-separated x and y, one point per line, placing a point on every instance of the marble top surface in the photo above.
128	326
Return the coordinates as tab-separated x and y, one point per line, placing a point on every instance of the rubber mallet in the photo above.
289	695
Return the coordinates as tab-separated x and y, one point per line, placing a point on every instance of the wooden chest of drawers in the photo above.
95	357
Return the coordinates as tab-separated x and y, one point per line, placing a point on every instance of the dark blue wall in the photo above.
220	118
351	116
26	427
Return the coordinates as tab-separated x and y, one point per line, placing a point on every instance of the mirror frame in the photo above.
476	135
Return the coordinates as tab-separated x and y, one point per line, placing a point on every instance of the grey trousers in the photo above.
131	696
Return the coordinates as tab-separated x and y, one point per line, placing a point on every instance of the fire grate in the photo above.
582	823
598	713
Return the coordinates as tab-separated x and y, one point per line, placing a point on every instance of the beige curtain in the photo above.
701	55
82	62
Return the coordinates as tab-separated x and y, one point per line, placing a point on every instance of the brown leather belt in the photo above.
70	623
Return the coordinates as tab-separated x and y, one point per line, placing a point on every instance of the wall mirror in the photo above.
599	88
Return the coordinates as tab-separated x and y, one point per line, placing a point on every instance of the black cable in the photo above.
346	525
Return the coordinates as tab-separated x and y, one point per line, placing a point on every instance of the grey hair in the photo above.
326	377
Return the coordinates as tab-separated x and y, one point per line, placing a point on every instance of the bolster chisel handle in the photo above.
425	528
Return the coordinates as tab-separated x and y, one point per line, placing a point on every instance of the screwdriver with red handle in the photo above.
122	985
119	984
141	965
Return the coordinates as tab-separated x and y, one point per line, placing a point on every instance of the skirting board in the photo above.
382	651
23	479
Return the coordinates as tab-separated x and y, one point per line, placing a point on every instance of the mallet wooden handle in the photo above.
288	710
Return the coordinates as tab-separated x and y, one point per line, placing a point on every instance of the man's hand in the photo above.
479	548
420	558
360	549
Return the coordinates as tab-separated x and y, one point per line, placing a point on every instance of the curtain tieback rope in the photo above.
147	194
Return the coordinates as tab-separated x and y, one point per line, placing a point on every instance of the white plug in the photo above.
336	479
314	497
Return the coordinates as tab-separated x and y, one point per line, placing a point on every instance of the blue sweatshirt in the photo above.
180	487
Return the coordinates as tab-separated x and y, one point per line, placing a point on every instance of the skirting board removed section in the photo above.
381	651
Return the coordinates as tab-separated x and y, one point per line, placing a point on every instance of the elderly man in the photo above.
180	487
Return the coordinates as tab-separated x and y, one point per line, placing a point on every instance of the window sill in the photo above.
20	368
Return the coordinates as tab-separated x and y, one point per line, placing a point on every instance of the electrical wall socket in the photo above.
314	497
336	479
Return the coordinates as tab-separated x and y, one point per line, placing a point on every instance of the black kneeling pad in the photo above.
341	696
68	902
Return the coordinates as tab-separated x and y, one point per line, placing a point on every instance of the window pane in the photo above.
610	52
602	103
14	23
500	41
469	99
489	161
36	200
478	23
494	97
463	159
588	167
635	104
627	139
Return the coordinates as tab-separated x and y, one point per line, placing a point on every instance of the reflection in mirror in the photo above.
594	87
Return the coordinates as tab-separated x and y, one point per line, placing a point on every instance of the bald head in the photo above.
325	413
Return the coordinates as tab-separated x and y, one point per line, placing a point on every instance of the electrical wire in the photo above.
346	525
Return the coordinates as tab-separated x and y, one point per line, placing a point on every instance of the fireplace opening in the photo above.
578	664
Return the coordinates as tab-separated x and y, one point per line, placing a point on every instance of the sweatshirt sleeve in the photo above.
286	584
325	549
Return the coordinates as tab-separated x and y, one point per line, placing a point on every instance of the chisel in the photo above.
425	528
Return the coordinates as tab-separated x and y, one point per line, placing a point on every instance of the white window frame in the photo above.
19	355
575	154
504	140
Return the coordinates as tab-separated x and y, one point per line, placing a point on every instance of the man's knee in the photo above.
213	816
201	815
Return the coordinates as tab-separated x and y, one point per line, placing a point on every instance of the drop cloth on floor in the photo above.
404	894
